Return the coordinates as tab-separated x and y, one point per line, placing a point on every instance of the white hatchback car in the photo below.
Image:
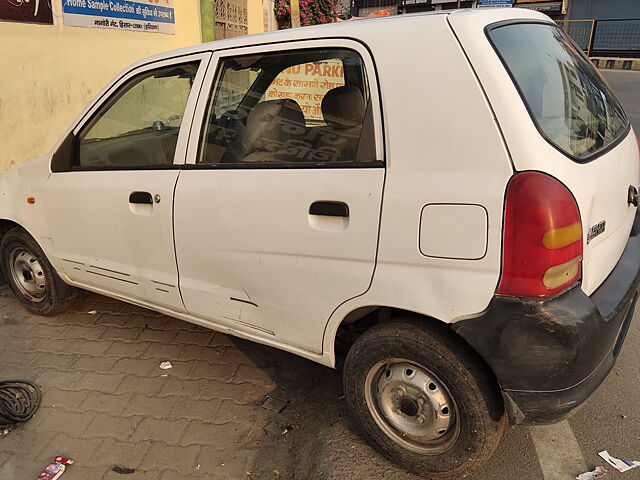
453	195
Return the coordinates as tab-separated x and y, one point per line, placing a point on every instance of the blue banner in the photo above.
144	15
495	3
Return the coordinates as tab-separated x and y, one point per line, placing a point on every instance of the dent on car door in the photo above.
110	200
277	211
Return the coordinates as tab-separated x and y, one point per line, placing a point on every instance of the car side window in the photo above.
289	109
139	125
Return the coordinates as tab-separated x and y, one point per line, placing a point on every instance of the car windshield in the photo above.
567	98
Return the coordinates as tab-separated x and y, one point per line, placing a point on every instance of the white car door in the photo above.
109	199
277	209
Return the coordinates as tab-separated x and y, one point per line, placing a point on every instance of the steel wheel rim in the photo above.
28	274
412	406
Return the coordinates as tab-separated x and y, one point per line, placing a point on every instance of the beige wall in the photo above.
49	73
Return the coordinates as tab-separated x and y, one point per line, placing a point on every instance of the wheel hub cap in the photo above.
412	406
28	275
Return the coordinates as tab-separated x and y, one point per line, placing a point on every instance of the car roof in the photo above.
352	29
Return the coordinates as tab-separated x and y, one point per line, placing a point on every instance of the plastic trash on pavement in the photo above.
594	474
166	365
617	463
55	469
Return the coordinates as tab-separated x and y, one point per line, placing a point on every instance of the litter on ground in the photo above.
594	474
166	365
617	463
55	469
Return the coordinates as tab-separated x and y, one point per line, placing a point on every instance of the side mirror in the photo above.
158	126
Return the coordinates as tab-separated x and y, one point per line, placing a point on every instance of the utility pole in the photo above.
207	20
295	14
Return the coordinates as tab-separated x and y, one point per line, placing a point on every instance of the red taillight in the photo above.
542	246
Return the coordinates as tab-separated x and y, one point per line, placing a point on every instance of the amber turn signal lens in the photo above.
31	200
561	237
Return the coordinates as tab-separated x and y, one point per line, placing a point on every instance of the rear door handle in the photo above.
329	209
141	197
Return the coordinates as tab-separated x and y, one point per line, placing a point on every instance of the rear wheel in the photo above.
423	399
30	275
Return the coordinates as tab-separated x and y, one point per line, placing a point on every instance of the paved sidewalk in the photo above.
106	402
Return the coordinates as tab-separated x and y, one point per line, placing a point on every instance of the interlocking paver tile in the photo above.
238	392
25	442
167	431
156	407
120	333
175	386
160	336
262	376
79	449
99	381
105	403
61	421
105	425
126	349
230	411
90	347
136	366
193	338
76	317
88	332
171	457
19	468
229	433
231	464
169	351
145	385
64	380
58	361
116	452
52	345
194	409
96	364
108	305
211	370
50	331
65	399
12	357
196	352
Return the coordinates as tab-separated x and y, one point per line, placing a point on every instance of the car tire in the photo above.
423	398
31	277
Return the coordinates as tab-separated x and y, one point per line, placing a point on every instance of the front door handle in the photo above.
141	197
329	209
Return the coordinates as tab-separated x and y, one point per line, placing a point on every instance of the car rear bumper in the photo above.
550	355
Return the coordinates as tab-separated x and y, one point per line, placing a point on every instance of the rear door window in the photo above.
567	98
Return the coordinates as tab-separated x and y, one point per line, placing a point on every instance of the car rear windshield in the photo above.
567	98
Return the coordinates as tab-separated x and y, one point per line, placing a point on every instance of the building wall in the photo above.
603	9
49	73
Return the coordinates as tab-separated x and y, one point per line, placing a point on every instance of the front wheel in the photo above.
31	277
423	399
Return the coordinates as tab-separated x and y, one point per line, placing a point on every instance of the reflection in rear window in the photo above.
566	96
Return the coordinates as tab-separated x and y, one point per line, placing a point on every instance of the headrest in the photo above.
273	122
343	107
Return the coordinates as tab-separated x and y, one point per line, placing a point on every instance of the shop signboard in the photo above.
155	16
494	3
26	11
